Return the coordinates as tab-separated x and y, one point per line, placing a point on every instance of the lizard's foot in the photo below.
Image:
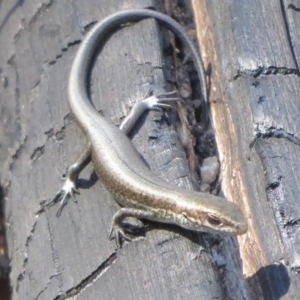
118	233
68	190
125	232
156	102
121	231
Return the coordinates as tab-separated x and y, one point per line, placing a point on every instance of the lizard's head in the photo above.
213	214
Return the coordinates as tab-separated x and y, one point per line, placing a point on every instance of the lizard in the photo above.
118	164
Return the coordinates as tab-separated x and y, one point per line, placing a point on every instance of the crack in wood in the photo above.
12	62
87	27
271	70
37	153
49	133
89	279
59	134
18	4
288	33
55	258
274	132
45	288
63	50
287	222
25	261
44	7
17	153
293	7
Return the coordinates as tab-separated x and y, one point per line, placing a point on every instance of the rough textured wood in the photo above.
252	49
55	258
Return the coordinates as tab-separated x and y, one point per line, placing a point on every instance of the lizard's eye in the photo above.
214	220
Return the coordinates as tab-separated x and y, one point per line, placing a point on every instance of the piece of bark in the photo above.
254	101
57	258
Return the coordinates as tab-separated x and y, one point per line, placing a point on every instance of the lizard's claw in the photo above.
118	233
67	191
156	101
123	233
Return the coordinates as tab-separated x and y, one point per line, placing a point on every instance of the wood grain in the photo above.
252	49
70	256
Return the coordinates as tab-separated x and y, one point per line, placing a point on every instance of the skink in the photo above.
118	164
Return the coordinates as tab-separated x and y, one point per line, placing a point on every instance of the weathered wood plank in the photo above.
71	256
255	111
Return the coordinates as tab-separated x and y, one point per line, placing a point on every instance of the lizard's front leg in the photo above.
69	188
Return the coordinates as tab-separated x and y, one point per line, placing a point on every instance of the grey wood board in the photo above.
255	101
51	256
291	11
